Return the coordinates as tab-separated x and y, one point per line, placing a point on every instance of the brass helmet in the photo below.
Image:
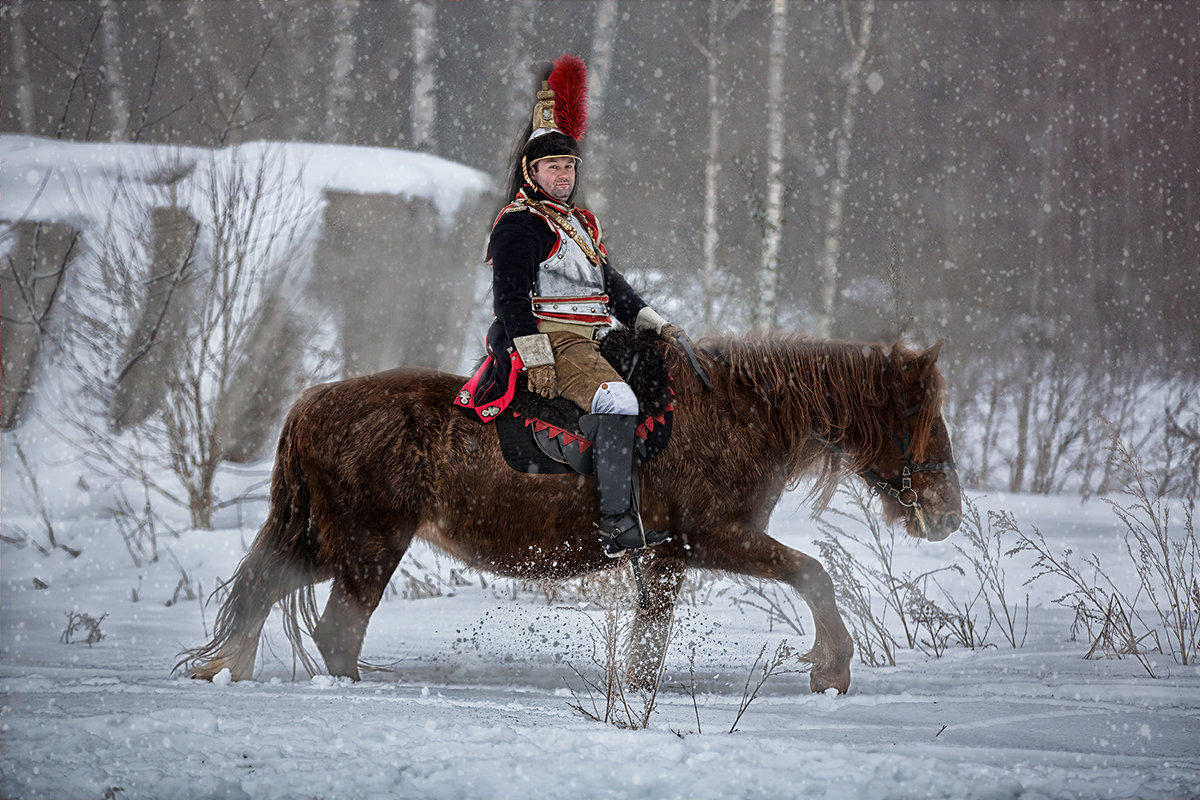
558	122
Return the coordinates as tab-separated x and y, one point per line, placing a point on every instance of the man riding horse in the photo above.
555	294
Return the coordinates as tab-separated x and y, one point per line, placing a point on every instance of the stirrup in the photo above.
629	537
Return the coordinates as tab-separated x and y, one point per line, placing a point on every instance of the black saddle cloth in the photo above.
545	436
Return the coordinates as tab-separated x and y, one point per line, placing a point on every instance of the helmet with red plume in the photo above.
559	119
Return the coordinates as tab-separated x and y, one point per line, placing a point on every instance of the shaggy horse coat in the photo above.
366	464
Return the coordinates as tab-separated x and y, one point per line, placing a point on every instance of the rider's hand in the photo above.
671	333
675	335
541	380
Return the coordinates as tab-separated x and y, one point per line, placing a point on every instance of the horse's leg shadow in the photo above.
651	630
358	586
757	555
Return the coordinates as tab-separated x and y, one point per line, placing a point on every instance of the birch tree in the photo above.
114	77
714	51
424	96
341	93
19	53
843	136
230	93
604	35
767	309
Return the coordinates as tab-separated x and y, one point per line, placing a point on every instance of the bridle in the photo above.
900	487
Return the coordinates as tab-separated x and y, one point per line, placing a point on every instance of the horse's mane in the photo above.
849	396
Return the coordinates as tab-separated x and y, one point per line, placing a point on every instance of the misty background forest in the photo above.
208	205
1017	178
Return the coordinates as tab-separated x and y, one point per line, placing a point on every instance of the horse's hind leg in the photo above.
651	629
357	589
755	554
269	572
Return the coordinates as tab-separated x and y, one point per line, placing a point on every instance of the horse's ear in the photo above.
926	360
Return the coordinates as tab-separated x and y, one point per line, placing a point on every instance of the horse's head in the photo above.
913	468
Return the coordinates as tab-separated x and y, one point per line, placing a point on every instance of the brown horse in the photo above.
366	464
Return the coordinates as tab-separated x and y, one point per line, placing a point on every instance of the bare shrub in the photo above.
139	528
1181	442
785	660
871	591
934	627
187	587
191	339
29	480
608	696
1049	416
874	643
984	554
690	688
766	668
81	623
1166	559
778	603
41	509
1102	612
419	587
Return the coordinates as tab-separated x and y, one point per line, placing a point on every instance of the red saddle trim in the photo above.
642	431
489	411
556	432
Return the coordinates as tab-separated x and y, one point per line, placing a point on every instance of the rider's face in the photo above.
555	176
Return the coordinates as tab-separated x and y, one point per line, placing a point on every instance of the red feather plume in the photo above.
568	79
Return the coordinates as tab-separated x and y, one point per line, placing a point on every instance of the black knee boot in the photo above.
620	525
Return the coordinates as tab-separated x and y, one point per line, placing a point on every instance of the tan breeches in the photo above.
579	368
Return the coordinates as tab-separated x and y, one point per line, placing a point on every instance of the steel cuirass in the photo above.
568	286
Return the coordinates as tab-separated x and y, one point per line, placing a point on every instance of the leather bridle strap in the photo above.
900	487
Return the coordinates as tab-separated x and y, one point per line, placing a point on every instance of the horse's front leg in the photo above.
651	629
751	552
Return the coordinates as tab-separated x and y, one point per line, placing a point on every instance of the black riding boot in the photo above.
616	474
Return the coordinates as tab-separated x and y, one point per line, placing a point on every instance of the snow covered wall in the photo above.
44	180
370	249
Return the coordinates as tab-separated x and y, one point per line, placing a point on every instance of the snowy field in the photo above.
475	690
477	678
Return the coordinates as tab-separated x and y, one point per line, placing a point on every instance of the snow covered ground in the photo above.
475	692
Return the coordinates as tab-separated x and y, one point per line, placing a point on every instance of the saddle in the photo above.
553	436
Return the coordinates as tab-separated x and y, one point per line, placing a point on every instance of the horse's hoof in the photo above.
342	669
821	683
829	672
205	672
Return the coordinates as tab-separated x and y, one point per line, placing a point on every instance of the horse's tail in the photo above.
280	567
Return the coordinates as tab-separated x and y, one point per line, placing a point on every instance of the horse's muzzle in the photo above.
937	527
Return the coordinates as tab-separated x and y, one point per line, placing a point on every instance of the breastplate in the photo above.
569	286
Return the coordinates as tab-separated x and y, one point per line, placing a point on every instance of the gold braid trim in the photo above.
593	253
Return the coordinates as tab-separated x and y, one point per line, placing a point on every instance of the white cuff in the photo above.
534	349
648	319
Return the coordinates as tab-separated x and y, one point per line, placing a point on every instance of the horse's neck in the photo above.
813	398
